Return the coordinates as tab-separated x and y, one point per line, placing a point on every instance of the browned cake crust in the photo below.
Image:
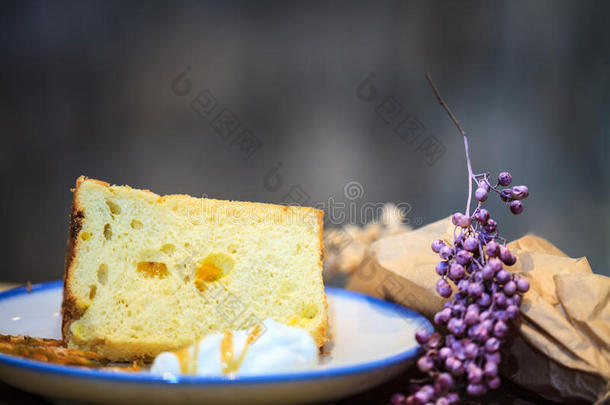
69	309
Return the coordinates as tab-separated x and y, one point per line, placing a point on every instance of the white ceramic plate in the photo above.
372	341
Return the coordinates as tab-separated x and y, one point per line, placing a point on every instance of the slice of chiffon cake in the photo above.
146	273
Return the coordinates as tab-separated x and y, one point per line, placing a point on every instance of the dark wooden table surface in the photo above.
507	394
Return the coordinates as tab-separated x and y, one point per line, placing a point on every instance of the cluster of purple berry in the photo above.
476	319
512	195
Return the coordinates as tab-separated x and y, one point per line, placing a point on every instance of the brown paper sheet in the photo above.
562	350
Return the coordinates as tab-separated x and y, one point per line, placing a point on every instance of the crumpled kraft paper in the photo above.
562	350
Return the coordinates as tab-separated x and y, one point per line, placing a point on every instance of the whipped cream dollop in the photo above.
268	348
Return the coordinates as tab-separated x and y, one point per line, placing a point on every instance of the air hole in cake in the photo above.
152	269
114	207
92	291
135	224
212	268
168	249
102	274
107	232
310	311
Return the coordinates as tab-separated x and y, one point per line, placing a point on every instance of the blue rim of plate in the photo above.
147	378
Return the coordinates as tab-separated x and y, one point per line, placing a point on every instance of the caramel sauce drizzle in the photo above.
188	363
228	362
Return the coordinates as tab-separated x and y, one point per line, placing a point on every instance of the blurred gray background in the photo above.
93	88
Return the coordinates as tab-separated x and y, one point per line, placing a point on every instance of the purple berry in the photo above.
442	316
482	216
441	268
445	252
435	340
493	383
425	364
463	285
519	192
443	288
504	254
471	350
421	397
480	194
493	357
487	324
475	290
456	367
456	271
437	245
422	336
506	195
491	226
442	401
484	300
500	329
500	300
491	369
462	257
504	179
503	276
510	288
523	285
475	390
456	326
495	264
492	345
487	273
492	248
444	353
471	318
445	380
483	184
465	221
480	333
397	399
438	319
471	244
475	374
512	311
485	315
501	315
458	309
453	398
516	207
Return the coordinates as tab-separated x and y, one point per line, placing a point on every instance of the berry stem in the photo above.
459	127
